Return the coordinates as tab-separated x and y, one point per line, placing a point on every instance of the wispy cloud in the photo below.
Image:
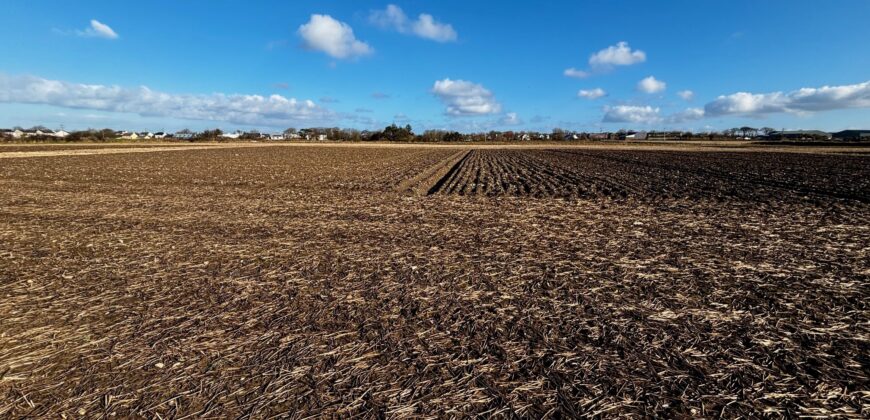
425	26
464	98
380	95
274	110
687	95
98	29
591	93
577	74
511	118
333	37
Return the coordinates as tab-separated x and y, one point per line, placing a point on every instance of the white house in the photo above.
321	137
61	133
292	136
160	135
276	137
146	135
129	136
640	135
231	135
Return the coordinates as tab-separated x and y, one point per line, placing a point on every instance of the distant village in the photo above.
400	133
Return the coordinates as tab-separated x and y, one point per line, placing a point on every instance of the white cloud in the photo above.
592	93
651	85
465	98
690	114
98	30
572	72
686	94
274	110
511	118
631	114
825	98
335	38
617	55
648	115
425	26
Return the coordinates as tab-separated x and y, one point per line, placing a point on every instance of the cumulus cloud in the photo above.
825	98
648	115
592	93
690	114
651	85
631	114
274	110
425	26
465	98
577	74
98	30
686	94
335	38
620	54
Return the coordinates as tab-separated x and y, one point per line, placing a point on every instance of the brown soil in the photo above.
305	281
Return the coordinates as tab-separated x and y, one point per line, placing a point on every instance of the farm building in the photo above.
160	135
184	135
853	135
800	135
640	135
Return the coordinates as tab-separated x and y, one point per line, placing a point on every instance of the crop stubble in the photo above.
433	282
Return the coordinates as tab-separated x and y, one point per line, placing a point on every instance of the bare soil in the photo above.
431	282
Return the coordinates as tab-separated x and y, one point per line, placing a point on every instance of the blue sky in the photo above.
448	64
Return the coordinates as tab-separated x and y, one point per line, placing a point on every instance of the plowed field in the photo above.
298	282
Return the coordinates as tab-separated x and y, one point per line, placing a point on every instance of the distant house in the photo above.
33	132
146	135
640	135
184	135
321	137
276	136
853	135
16	133
599	136
526	137
291	136
235	135
800	135
160	135
129	135
61	133
37	132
